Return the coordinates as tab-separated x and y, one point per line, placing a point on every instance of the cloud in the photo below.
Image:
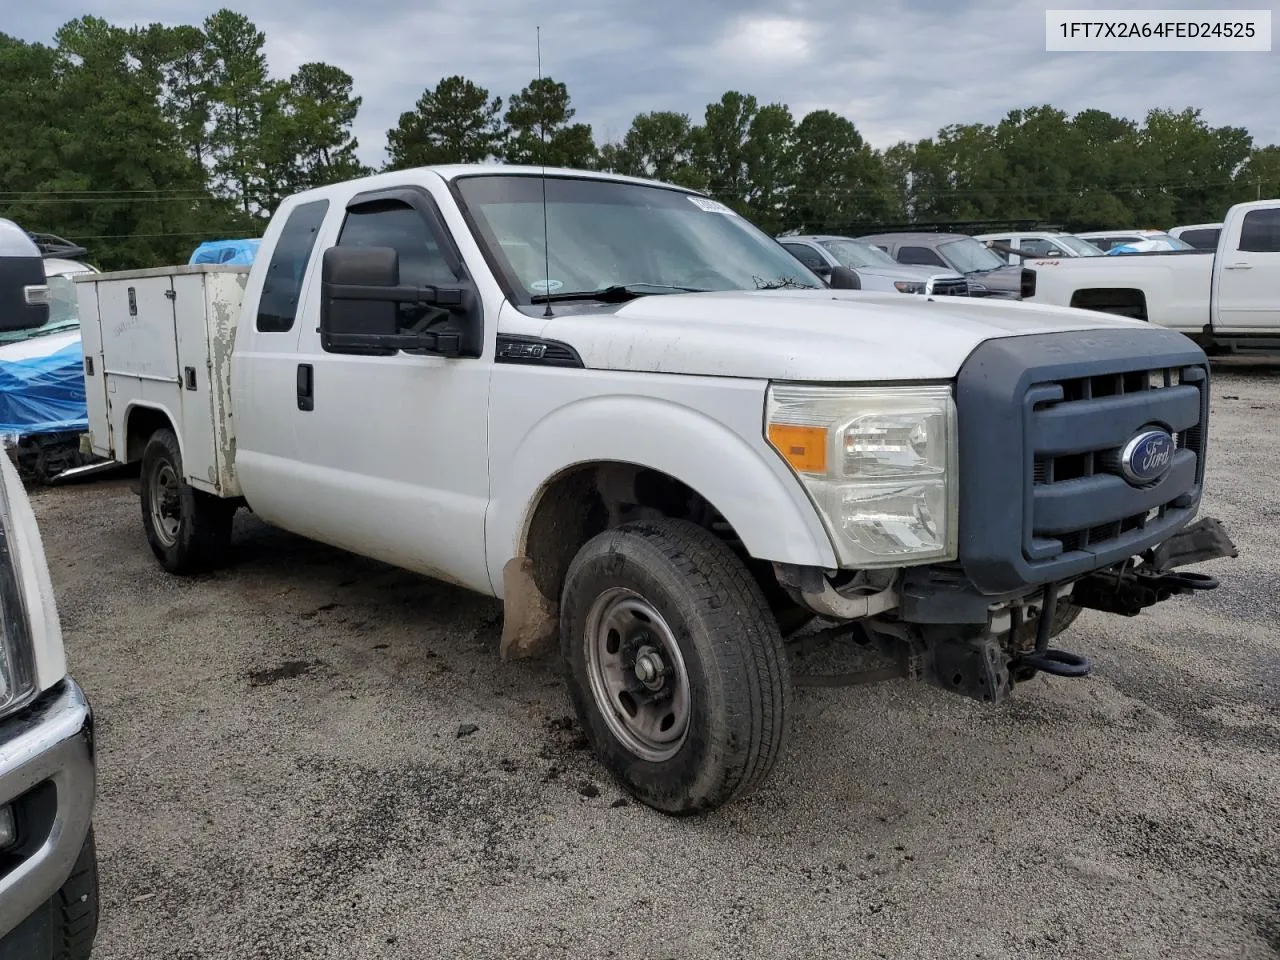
900	69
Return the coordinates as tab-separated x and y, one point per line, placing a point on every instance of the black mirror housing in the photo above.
842	278
347	269
24	289
360	302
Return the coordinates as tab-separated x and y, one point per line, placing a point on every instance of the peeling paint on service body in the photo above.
225	293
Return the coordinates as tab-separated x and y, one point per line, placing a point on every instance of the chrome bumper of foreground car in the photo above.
48	781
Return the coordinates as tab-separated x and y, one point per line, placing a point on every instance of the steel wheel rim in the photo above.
637	675
166	505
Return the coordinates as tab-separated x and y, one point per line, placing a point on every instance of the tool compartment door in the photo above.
139	351
95	384
195	368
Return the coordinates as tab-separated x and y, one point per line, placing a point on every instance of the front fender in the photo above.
737	471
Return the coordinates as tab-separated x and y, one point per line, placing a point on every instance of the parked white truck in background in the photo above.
1226	299
660	438
48	861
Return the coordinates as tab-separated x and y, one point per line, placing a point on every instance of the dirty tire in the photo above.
732	655
203	522
75	907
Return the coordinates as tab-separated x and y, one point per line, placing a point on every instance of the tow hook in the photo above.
1059	663
1046	659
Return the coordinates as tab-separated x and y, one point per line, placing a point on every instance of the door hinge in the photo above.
171	294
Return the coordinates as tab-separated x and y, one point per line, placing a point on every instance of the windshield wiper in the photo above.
617	293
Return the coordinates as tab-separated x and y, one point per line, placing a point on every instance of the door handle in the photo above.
306	387
1239	266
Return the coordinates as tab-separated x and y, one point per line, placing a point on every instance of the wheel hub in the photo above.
650	668
637	674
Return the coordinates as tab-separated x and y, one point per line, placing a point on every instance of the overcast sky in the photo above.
899	69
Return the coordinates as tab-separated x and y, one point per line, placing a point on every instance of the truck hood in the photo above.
848	335
907	272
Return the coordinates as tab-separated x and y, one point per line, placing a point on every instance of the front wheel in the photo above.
675	665
188	530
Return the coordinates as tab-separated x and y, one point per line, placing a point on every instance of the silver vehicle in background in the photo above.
988	275
1036	245
877	270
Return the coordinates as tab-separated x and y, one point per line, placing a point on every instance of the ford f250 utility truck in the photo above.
1226	299
48	862
643	425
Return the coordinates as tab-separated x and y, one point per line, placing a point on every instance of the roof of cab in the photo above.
456	171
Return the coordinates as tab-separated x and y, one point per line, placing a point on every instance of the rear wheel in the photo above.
188	530
675	665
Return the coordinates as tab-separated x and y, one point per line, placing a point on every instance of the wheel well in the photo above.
591	498
1126	302
141	423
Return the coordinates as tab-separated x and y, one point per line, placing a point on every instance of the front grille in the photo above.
1056	410
1077	432
951	288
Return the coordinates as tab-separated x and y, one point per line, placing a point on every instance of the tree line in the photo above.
141	142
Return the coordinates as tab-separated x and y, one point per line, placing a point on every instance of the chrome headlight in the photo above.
879	463
17	672
909	286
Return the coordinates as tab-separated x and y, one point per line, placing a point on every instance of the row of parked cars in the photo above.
1217	283
959	264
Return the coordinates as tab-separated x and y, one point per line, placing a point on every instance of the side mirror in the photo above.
360	298
24	289
842	278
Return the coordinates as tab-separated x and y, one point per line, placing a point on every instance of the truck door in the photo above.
393	449
1247	273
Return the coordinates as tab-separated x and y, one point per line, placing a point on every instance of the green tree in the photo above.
457	122
838	179
1259	178
721	148
324	112
114	175
541	133
178	60
770	165
237	74
1191	167
658	145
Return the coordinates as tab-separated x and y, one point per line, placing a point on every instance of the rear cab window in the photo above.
1260	231
278	304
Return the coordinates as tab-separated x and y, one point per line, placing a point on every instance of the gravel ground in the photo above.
282	773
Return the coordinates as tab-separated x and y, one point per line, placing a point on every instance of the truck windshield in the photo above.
857	254
1082	248
603	235
969	256
63	312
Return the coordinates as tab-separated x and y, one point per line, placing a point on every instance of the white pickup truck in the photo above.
1226	299
647	428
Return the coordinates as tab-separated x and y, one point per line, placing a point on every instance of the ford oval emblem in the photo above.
1147	457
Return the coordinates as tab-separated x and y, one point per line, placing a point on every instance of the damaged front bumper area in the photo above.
1054	514
936	627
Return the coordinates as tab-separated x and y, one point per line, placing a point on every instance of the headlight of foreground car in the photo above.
909	286
17	672
879	462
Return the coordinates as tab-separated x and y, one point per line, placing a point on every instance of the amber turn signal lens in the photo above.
805	448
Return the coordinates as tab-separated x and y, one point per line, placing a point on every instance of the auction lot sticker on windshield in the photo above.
1153	31
712	206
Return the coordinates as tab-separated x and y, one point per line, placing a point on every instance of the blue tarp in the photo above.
226	251
44	394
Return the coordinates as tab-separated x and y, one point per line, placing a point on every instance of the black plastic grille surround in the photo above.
1042	421
951	288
